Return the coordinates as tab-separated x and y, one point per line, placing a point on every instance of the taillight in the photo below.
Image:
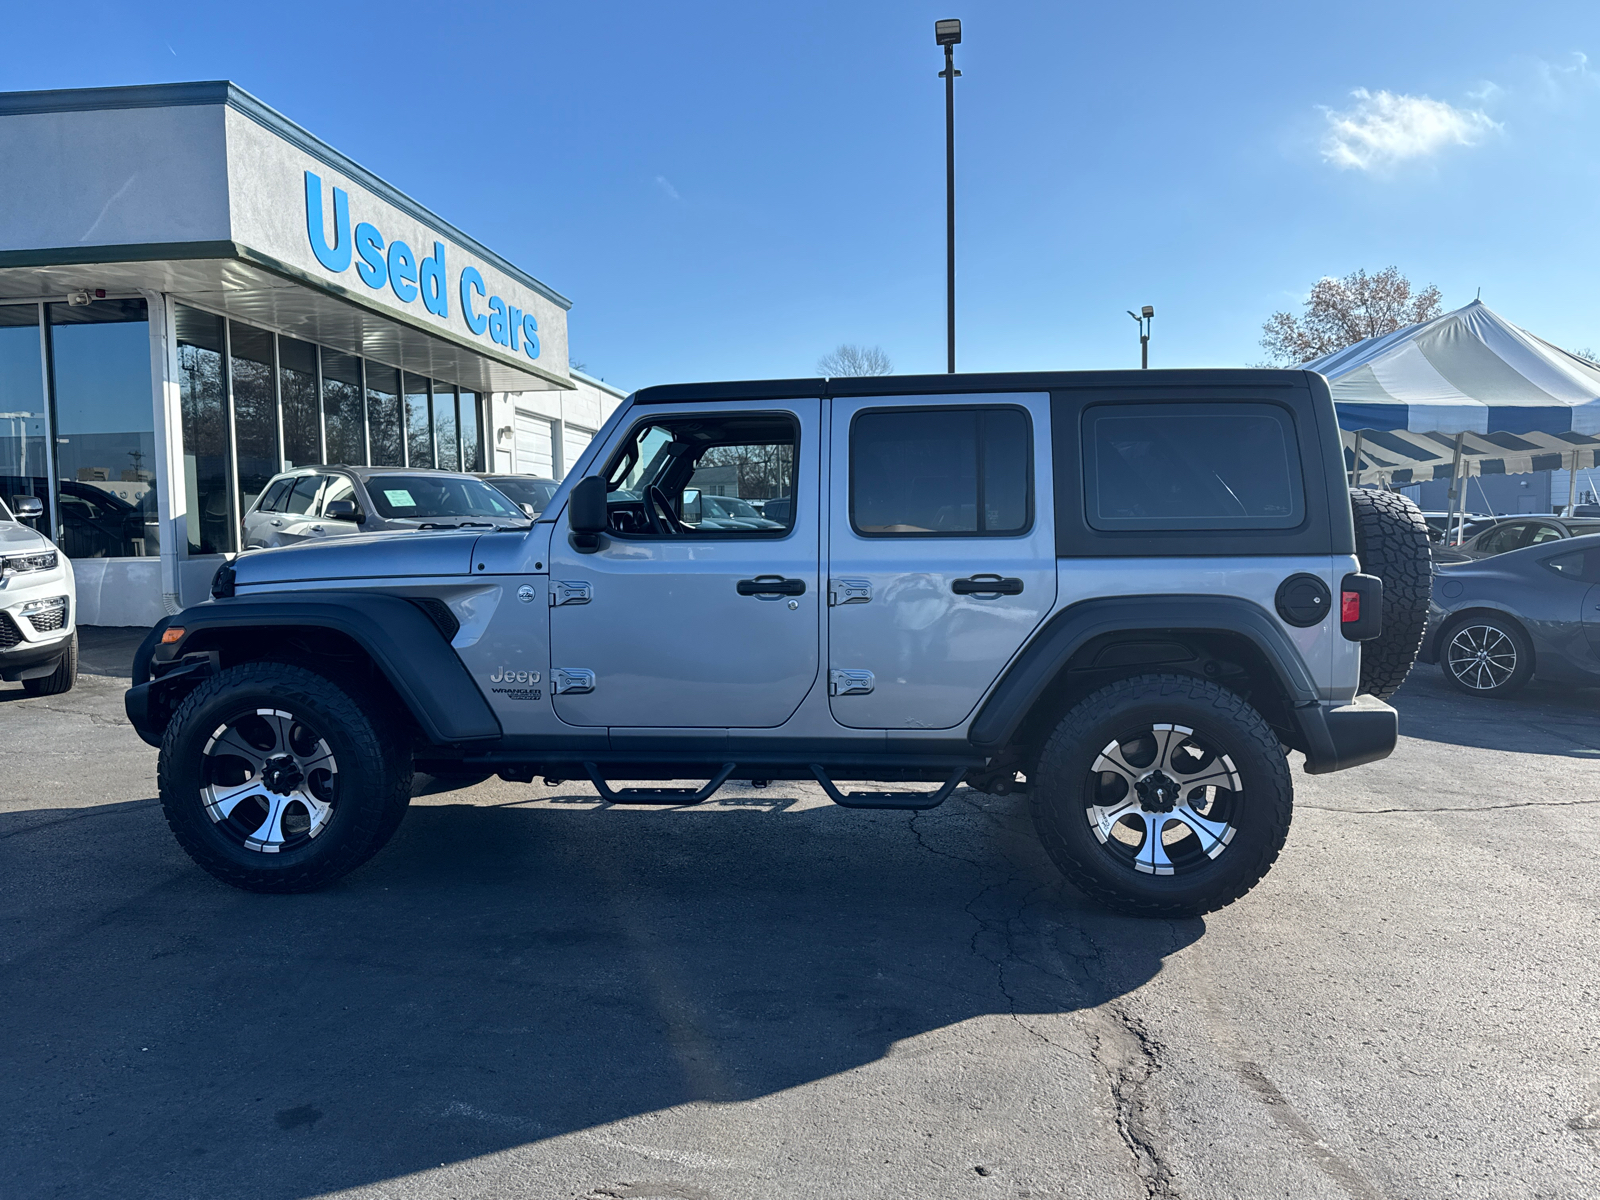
1349	607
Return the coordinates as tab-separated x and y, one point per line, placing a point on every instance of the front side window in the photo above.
304	495
695	476
942	472
1191	466
339	488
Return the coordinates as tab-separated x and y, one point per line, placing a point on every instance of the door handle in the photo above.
987	585
276	523
316	529
771	585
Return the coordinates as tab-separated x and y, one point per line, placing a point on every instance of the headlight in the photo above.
22	564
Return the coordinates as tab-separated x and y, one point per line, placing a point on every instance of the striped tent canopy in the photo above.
1520	403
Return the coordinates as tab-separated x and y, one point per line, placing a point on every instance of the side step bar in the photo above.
658	795
915	801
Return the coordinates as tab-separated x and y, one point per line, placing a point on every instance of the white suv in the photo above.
38	637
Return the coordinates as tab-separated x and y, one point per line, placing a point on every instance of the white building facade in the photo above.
196	293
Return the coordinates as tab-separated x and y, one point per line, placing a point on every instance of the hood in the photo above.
362	556
17	538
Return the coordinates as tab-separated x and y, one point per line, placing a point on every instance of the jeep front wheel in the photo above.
275	779
1163	795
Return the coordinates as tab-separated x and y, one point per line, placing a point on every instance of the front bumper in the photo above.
31	660
1347	735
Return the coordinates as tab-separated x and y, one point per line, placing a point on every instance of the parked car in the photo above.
1442	525
38	605
1130	593
529	492
723	512
1513	533
1496	622
314	503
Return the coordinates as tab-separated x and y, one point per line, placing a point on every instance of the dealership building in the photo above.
196	293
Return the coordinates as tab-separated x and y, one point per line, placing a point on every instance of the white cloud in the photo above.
666	186
1382	129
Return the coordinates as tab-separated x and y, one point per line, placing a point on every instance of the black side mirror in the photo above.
27	508
586	513
343	510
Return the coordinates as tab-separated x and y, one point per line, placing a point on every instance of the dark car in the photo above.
1496	622
1513	533
312	503
529	492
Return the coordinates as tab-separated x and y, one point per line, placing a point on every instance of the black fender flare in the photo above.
400	638
1053	646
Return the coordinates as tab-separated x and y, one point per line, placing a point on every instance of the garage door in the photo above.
575	442
535	452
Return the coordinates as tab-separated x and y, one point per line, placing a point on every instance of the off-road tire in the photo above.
1392	543
62	678
373	778
1496	684
1059	792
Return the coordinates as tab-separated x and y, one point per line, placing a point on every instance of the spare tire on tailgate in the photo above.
1392	543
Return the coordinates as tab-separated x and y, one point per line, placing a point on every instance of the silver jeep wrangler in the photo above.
1129	593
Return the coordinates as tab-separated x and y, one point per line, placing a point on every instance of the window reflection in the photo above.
105	430
471	441
446	447
342	419
24	470
255	410
419	423
302	411
202	388
383	415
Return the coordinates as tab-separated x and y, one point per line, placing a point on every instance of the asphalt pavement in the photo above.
532	994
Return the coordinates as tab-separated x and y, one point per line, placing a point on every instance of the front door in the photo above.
942	554
685	620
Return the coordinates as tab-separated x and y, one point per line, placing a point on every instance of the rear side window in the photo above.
1191	466
941	472
273	500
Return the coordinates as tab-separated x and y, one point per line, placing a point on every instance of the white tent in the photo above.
1464	394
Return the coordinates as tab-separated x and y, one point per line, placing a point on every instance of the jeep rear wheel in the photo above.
1163	795
275	779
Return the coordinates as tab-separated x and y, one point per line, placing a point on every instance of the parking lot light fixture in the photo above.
1144	317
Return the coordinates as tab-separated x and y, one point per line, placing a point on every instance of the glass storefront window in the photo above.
202	387
383	415
104	430
419	423
255	410
471	437
302	408
342	418
24	469
445	443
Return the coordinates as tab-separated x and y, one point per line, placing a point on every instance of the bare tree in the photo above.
854	360
1589	355
1342	312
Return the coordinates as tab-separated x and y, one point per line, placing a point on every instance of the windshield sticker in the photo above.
399	497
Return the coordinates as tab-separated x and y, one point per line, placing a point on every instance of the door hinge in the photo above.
569	591
849	591
849	683
570	679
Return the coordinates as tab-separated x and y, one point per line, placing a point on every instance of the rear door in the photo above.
293	523
941	556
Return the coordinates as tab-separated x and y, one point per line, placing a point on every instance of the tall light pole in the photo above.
1144	316
948	35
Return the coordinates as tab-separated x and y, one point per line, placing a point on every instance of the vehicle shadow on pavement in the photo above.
500	975
1542	718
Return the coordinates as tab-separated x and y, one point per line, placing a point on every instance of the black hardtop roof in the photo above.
996	381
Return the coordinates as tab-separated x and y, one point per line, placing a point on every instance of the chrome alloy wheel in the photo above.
1162	800
1481	657
269	782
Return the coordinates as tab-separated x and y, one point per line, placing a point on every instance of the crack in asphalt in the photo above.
1131	1061
1470	808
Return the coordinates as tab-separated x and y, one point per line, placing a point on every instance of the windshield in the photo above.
426	497
535	493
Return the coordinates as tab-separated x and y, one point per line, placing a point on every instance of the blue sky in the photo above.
729	190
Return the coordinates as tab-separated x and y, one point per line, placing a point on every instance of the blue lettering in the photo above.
530	336
471	282
513	324
433	276
336	257
373	270
402	271
497	321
